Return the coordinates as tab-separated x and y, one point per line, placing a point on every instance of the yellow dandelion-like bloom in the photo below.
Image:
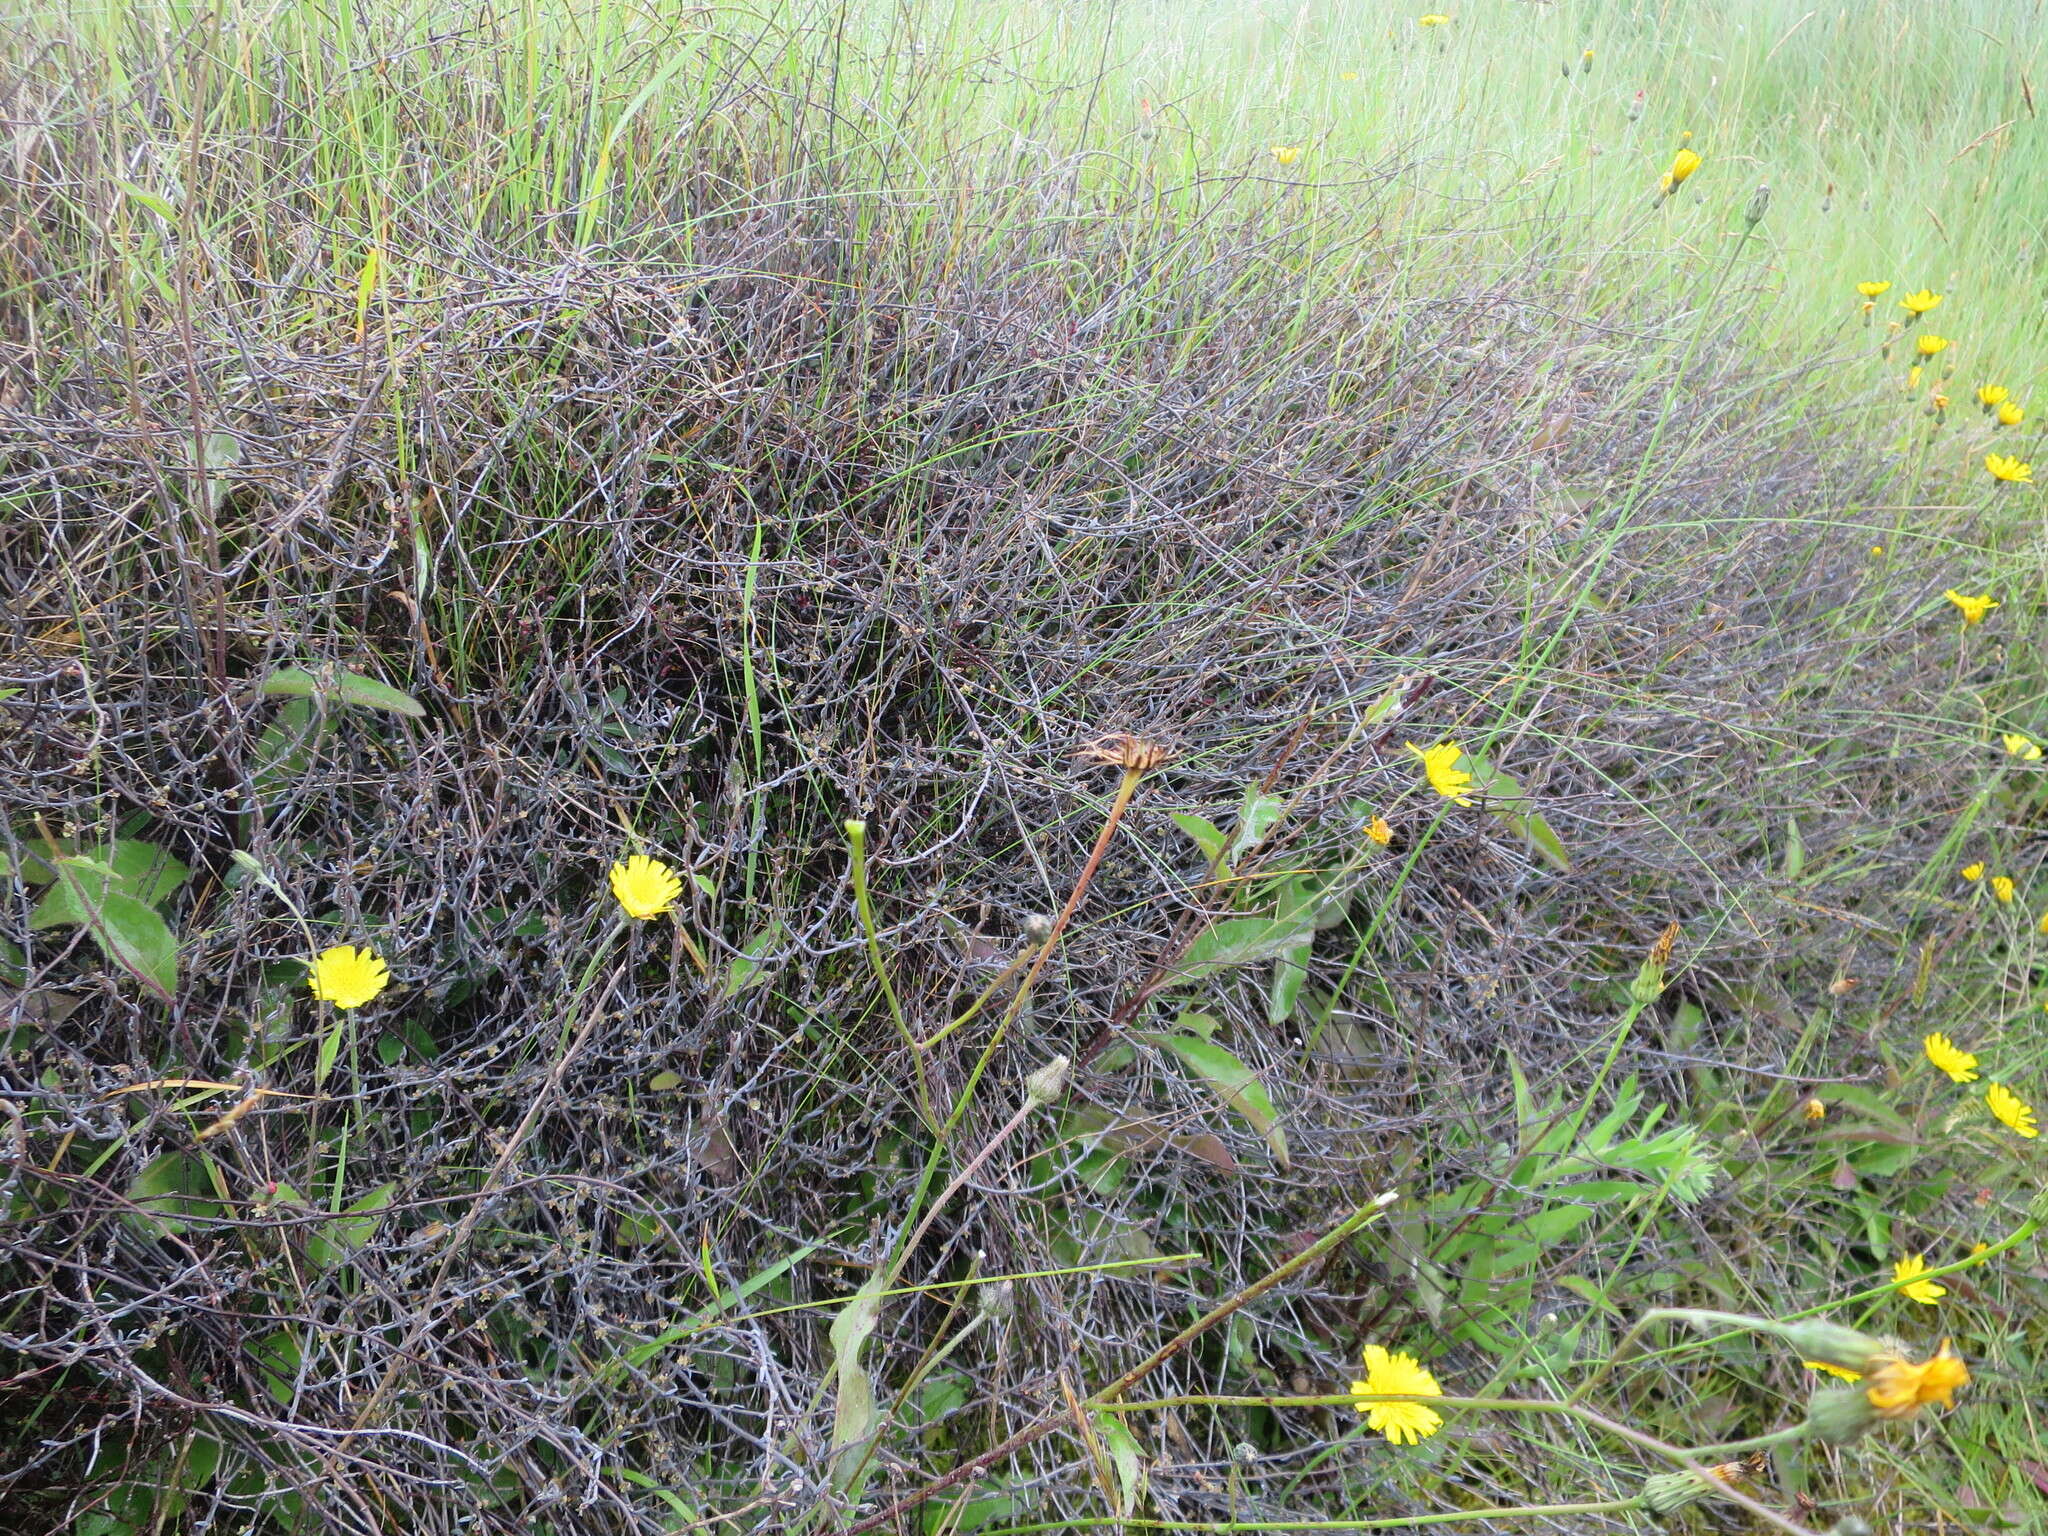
1913	377
2025	748
1402	1423
645	887
2002	888
1906	1280
1973	872
1815	1108
1872	290
1898	1388
1833	1370
1951	1058
1921	302
2010	414
1929	345
1349	74
1991	394
348	977
1440	767
2007	467
1877	549
1683	164
1287	154
1378	830
2013	1112
1432	20
1973	608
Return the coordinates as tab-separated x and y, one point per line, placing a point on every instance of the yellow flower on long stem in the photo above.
2007	467
1921	302
645	887
1402	1423
1913	377
2025	748
1378	830
1931	344
2013	1112
1898	1388
1440	767
1907	1282
348	977
1683	164
1287	154
1871	290
2002	888
1973	872
1991	394
1973	608
1432	20
1951	1058
2011	414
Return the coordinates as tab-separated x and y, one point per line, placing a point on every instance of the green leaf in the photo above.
750	967
336	686
127	932
1125	1457
1283	992
1506	799
333	1241
1207	835
131	868
1239	941
855	1417
1231	1081
285	748
171	1193
1255	818
665	1082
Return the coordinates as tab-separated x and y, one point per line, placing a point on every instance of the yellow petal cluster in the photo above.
2007	467
645	887
1972	609
1921	302
348	977
1440	767
1907	1282
1951	1058
1898	1388
2013	1112
1386	1372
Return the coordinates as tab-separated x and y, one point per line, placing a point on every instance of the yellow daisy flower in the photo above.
1921	302
1432	20
2025	748
1973	872
1871	290
1929	345
1402	1423
1991	394
1287	154
1683	164
645	887
1951	1058
1814	1108
2007	467
1898	1388
1440	767
1378	830
1905	1279
2013	1112
1973	608
2002	888
348	977
2010	414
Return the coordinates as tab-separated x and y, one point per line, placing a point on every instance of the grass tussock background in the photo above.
724	425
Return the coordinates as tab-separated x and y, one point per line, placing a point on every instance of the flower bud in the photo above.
1668	1492
1047	1083
1815	1338
1759	200
1839	1415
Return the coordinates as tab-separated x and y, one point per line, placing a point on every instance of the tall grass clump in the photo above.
979	769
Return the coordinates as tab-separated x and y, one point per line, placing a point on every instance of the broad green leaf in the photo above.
170	1194
1255	818
156	204
285	748
1239	941
339	687
131	868
1207	835
1283	992
855	1416
34	867
127	932
335	1239
750	966
665	1082
1510	802
1231	1081
330	1048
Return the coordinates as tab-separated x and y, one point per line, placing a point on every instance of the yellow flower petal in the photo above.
645	887
2013	1112
1905	1280
1973	609
1440	767
1951	1058
348	977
